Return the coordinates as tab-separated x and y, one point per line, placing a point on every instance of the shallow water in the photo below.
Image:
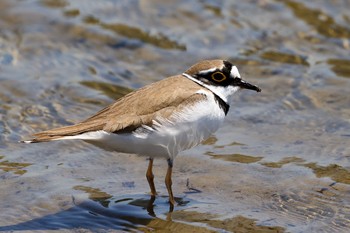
280	164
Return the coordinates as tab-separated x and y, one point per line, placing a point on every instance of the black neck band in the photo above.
223	105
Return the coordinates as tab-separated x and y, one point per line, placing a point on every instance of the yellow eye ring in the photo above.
218	76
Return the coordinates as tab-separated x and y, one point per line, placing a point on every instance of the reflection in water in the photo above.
105	199
124	213
88	215
136	212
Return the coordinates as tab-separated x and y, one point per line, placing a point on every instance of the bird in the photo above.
161	119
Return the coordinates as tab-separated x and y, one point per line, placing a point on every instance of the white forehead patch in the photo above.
204	72
234	72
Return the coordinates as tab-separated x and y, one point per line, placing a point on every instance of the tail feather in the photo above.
60	133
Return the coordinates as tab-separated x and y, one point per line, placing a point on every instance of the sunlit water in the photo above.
281	163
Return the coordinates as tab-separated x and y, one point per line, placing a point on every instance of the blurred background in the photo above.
281	163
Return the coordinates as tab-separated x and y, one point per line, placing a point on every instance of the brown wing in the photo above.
133	110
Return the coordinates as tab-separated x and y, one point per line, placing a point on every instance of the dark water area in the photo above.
281	163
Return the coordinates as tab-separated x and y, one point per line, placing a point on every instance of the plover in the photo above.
161	119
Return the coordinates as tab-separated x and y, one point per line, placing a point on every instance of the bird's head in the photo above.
219	76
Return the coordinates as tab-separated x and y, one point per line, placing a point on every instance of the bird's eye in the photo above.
218	77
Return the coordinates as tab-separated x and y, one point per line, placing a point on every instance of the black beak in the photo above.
243	84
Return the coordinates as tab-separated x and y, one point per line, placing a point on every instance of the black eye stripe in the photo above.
211	77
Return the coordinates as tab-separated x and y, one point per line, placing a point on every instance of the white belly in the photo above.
166	138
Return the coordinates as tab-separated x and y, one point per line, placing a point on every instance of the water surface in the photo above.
281	163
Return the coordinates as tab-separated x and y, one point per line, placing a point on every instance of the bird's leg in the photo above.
150	177
168	183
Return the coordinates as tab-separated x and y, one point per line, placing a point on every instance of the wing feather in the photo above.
137	108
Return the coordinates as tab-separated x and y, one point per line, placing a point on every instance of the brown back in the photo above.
133	110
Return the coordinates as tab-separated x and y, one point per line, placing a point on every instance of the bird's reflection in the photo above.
105	212
150	206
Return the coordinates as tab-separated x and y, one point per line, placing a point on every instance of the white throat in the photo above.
223	92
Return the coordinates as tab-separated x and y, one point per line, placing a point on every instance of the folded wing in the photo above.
137	108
